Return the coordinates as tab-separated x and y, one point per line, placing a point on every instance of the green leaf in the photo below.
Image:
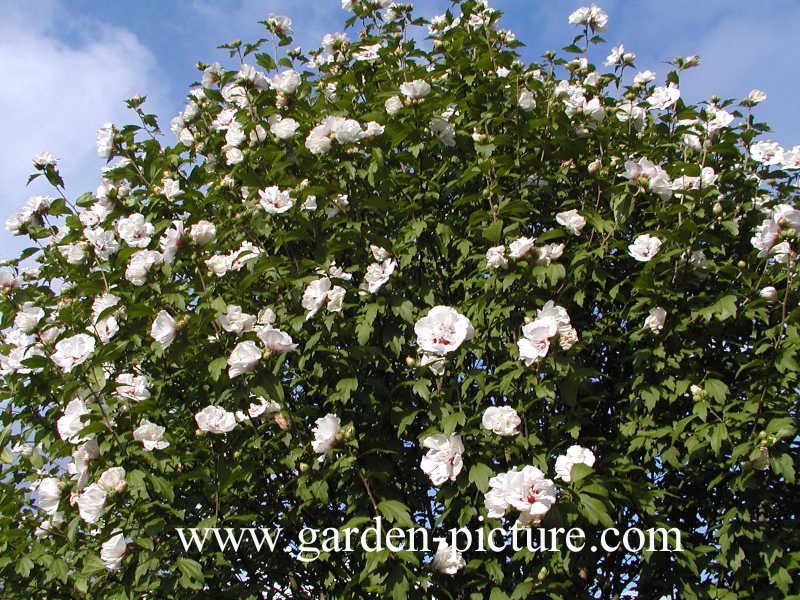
396	512
498	594
58	570
594	510
522	590
216	367
23	566
719	433
580	471
493	232
345	387
162	487
479	474
192	573
716	389
421	389
783	466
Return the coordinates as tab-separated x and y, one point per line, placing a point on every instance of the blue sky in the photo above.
69	64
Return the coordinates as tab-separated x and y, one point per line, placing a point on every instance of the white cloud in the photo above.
62	79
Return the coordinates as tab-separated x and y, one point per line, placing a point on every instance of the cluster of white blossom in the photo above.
528	491
551	321
379	272
344	131
781	223
31	214
520	248
772	153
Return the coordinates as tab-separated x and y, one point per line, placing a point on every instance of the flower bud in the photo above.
282	421
410	361
697	392
717	208
741	264
594	166
691	61
302	467
769	293
347	432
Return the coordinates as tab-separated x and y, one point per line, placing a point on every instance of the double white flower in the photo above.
151	435
325	433
215	419
73	351
112	551
655	320
71	423
644	247
443	460
527	491
321	293
551	320
243	359
442	330
164	329
575	455
571	220
135	230
91	503
502	420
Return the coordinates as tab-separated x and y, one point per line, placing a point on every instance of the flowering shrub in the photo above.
418	281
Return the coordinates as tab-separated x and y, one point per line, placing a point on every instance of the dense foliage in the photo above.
302	313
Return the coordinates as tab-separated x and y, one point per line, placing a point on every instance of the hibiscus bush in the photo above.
412	278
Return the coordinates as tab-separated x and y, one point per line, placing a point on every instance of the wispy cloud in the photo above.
61	80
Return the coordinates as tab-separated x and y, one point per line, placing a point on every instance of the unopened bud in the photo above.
691	61
410	361
347	432
302	467
717	208
769	293
697	392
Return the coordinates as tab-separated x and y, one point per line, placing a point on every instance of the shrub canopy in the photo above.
419	280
